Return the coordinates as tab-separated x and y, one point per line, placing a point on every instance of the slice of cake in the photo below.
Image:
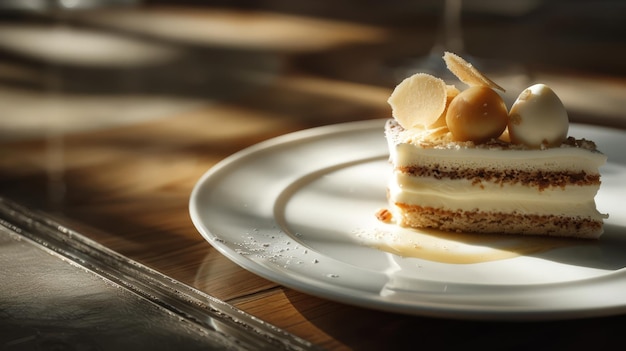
463	162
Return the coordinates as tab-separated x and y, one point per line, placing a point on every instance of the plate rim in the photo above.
341	294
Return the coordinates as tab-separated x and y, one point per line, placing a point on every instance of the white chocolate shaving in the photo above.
467	73
418	101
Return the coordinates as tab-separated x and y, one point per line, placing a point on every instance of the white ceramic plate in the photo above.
300	210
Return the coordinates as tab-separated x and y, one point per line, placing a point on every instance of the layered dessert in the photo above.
462	161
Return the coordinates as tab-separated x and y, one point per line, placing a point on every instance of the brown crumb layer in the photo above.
538	179
393	130
497	223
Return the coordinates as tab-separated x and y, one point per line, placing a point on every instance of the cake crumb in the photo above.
384	215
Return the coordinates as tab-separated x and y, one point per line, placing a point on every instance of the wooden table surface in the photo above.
113	146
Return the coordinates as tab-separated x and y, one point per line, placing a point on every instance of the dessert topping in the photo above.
418	101
426	105
538	118
440	123
467	73
477	114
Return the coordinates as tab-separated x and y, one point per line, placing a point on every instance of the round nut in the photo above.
477	114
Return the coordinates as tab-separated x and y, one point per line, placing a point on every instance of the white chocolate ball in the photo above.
538	118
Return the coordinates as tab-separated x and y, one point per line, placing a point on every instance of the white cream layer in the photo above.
463	187
555	159
507	198
461	195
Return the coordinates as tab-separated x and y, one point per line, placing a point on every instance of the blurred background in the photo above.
74	65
